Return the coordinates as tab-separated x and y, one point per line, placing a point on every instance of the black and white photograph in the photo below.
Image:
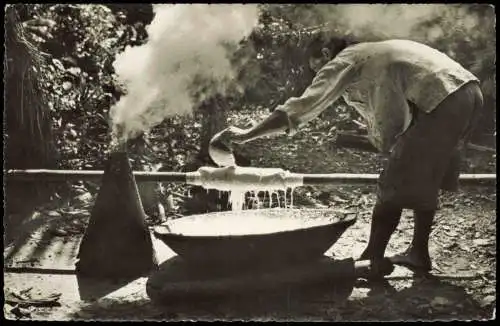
262	162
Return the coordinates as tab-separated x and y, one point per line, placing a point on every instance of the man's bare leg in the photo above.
385	219
417	255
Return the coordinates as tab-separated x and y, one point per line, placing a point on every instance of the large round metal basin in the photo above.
254	237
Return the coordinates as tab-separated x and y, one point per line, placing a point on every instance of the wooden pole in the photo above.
89	175
355	178
180	177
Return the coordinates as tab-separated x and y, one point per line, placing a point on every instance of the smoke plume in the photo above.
368	22
186	57
185	60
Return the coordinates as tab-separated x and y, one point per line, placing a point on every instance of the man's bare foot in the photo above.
412	260
370	255
373	269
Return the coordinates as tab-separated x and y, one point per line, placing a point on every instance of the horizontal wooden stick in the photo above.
365	178
90	175
180	177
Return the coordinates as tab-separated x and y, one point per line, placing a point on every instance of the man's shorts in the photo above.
426	158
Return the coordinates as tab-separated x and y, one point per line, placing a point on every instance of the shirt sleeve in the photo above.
326	87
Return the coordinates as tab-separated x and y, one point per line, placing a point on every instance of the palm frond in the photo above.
28	119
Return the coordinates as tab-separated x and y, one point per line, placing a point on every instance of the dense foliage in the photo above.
78	78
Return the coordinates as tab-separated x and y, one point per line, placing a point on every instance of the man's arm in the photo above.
274	124
328	85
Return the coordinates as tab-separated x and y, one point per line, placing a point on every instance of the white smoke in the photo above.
386	20
367	22
188	44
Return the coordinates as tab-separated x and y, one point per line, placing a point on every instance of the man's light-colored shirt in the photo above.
378	79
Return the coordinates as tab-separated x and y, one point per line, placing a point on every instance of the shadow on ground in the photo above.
39	241
91	290
425	299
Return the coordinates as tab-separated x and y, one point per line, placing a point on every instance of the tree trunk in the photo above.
214	119
29	140
213	113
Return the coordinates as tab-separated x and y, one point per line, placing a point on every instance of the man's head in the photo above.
323	48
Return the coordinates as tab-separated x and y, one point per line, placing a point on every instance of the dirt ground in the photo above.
40	252
462	246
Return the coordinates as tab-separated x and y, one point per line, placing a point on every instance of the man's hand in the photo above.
221	145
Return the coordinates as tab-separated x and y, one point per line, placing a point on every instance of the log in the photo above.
351	140
180	177
177	281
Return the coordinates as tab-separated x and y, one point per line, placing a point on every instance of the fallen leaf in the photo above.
59	232
465	248
481	242
340	200
53	214
76	211
489	290
85	197
439	301
20	312
451	245
488	300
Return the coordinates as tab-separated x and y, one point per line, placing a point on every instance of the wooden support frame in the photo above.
180	177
